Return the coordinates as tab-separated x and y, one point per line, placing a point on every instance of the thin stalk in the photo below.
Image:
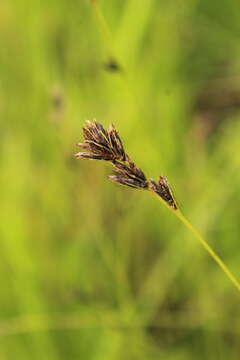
103	26
203	242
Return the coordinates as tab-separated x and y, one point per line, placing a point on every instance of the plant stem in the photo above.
204	243
103	25
107	34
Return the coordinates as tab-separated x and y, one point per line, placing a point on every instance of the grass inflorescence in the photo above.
106	145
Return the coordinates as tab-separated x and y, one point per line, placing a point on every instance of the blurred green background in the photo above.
89	269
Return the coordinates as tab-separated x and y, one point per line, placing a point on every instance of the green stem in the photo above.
103	26
204	243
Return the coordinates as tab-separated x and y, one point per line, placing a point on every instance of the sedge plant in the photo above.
106	145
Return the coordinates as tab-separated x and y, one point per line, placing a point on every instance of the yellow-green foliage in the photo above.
90	270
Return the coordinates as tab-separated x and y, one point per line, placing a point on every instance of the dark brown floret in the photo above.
163	189
91	156
126	181
116	144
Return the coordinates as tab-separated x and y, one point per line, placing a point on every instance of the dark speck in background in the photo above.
112	65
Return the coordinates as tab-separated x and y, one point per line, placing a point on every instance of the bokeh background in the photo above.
89	269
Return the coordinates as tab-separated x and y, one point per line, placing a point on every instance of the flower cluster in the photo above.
101	144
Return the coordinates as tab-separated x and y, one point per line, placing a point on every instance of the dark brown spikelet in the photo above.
163	189
101	144
128	174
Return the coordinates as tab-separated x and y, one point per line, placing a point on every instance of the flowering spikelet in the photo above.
163	189
101	144
128	174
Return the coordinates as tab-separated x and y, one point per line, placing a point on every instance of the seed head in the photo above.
101	144
163	189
